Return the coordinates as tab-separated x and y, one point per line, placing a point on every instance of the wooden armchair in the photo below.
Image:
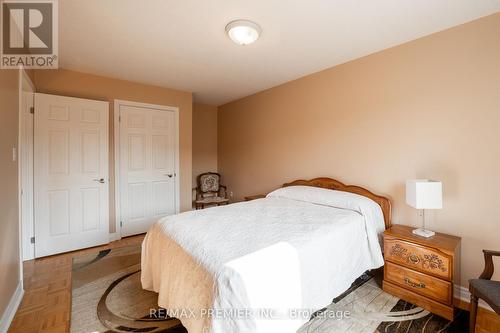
209	191
484	288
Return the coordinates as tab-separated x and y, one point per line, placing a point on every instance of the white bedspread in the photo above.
267	258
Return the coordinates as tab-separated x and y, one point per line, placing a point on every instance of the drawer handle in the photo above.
414	258
409	282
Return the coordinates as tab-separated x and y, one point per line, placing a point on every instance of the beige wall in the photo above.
9	205
204	139
426	109
76	84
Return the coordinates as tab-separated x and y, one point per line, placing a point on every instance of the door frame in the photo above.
26	227
117	158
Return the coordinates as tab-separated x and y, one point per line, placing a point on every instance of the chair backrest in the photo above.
209	183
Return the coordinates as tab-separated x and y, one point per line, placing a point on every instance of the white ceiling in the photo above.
181	44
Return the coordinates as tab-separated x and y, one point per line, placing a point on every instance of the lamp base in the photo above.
423	232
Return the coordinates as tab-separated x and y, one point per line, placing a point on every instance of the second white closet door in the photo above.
147	167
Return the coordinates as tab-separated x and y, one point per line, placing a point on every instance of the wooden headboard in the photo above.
333	184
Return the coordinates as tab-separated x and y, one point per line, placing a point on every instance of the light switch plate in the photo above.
14	154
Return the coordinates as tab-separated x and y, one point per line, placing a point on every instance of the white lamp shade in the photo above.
424	194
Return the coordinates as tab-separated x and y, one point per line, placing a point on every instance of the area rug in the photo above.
365	307
107	297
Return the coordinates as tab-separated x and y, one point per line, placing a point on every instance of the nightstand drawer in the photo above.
419	258
419	283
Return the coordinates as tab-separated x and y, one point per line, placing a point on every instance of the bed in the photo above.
264	265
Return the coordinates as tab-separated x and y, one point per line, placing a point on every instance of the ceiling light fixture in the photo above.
243	32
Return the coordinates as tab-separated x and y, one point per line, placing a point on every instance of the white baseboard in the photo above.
463	294
10	312
114	236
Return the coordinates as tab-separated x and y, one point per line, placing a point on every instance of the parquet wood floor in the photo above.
46	305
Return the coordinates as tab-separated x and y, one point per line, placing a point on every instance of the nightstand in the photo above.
422	271
253	197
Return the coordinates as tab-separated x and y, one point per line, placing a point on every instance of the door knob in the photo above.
169	175
100	180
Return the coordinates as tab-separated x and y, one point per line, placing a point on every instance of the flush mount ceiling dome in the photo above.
243	32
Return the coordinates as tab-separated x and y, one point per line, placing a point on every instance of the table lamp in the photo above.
424	194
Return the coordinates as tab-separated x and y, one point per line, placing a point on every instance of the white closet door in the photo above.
147	167
71	174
